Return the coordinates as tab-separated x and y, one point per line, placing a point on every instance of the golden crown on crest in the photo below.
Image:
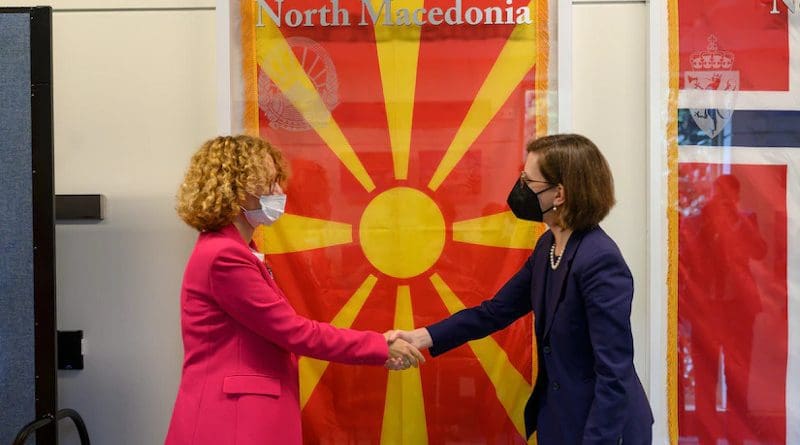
712	58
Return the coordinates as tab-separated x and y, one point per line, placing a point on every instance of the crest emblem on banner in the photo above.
281	113
716	84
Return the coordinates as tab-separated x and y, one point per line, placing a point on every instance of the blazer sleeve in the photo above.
607	287
510	303
242	292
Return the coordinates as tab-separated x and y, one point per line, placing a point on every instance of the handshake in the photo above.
405	346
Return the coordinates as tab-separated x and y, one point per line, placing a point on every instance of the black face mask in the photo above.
524	202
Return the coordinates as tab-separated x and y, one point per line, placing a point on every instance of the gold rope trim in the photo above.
249	69
672	216
542	97
541	71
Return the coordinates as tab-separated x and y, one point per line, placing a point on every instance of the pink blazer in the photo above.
241	338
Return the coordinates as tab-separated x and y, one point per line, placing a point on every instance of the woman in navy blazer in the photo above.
580	290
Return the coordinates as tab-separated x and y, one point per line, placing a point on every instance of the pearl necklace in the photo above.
553	262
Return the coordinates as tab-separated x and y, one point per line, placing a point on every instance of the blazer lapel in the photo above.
266	272
232	232
538	291
560	276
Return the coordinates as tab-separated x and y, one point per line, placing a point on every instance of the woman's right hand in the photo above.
420	338
402	354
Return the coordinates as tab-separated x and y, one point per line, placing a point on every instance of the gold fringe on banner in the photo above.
542	70
542	96
249	69
672	217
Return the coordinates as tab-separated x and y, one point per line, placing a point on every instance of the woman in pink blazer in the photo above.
241	336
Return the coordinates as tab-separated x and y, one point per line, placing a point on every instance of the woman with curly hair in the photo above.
241	337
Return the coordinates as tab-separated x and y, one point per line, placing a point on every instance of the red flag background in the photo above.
737	178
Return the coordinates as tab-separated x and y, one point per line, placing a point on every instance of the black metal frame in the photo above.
44	272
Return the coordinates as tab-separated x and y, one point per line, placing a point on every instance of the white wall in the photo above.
609	55
609	63
135	93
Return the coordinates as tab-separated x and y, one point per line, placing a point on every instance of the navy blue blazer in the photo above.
587	390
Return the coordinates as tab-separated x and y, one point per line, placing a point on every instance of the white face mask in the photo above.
272	207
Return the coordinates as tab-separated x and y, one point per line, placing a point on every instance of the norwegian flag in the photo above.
739	222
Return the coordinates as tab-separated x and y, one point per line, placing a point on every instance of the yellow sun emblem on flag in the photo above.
374	194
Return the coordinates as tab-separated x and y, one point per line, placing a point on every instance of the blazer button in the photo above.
546	349
556	386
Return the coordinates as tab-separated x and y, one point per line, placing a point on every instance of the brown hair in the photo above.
576	163
220	176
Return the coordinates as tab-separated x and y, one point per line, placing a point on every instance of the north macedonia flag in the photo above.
405	124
